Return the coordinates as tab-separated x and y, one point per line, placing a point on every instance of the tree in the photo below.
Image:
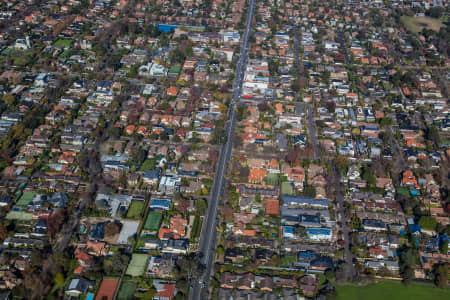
117	264
330	275
300	231
3	232
309	191
241	112
407	263
9	99
176	139
441	274
220	250
369	177
54	222
385	121
291	156
342	163
331	106
244	172
200	205
58	279
218	135
115	132
139	156
444	247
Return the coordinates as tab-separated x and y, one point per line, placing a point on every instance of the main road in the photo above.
207	245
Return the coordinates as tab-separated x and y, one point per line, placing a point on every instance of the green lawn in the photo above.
127	290
63	43
136	209
391	291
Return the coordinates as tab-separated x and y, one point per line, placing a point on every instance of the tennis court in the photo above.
127	289
153	221
26	198
137	265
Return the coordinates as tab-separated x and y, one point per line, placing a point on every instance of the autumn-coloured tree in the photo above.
54	222
3	232
111	229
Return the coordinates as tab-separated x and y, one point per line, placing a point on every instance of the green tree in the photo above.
441	274
369	176
342	163
9	99
300	231
309	191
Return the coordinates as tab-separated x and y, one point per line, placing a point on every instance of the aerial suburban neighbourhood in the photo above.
224	149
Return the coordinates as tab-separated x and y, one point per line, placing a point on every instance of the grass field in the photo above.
391	291
137	265
136	209
127	290
416	24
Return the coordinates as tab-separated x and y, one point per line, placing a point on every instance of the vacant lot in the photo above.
416	24
392	291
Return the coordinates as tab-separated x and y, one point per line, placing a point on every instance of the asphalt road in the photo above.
312	131
207	245
309	110
350	271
